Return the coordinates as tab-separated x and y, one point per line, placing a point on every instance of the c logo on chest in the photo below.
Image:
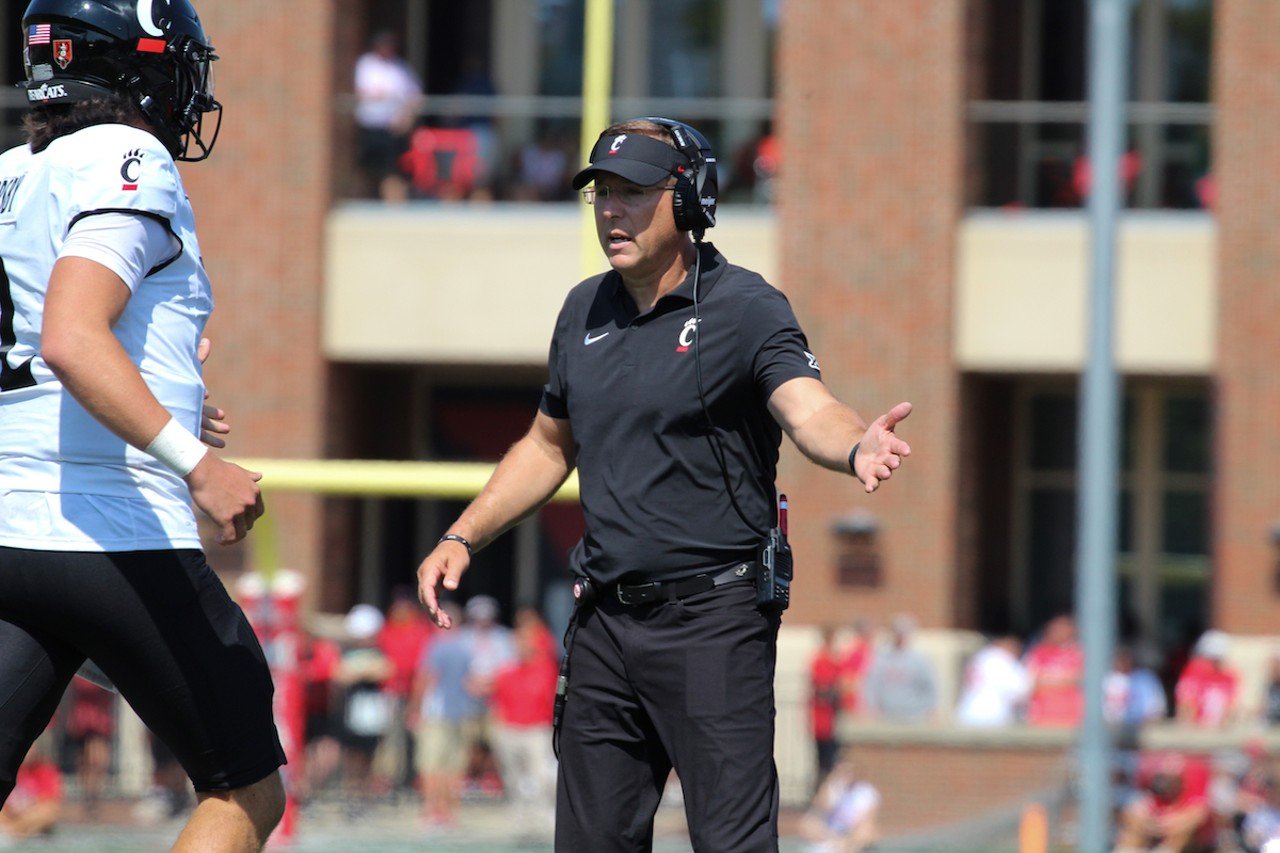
686	335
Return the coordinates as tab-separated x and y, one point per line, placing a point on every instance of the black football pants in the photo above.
686	684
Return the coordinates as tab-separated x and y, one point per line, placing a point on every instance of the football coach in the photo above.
671	380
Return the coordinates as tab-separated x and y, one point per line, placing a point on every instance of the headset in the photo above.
694	198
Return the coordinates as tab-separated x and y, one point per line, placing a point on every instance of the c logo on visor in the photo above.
617	144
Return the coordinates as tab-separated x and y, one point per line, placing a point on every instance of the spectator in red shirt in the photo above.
539	633
1056	667
36	802
402	640
824	702
91	723
1207	689
318	660
522	700
854	664
1173	809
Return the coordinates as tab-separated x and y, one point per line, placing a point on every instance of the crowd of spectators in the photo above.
405	151
1225	800
396	708
857	674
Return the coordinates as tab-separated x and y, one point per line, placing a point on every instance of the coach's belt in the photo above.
647	593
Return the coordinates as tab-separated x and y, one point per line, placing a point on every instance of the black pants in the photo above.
686	684
162	627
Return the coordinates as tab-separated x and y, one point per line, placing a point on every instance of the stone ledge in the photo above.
1160	736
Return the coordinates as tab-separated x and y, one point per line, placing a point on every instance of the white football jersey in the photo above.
67	483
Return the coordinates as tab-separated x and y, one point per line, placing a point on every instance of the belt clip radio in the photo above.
773	579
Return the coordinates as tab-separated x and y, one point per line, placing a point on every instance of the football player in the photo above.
103	299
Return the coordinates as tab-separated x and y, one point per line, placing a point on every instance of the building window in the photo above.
1028	115
685	61
1164	537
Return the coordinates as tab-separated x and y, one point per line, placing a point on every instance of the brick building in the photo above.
926	224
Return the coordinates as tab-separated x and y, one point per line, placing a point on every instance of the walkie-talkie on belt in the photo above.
773	580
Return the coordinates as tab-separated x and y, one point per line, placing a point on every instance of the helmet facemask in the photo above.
189	95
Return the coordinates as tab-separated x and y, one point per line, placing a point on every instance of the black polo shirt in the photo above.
653	494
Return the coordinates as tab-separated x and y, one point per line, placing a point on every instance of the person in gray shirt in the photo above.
901	685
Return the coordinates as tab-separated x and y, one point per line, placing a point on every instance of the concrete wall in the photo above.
474	284
1022	293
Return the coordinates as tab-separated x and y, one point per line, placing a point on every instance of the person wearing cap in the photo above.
491	646
1207	688
367	709
446	715
672	377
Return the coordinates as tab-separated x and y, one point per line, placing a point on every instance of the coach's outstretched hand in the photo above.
228	494
443	567
880	452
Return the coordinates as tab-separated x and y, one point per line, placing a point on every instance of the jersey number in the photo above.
11	378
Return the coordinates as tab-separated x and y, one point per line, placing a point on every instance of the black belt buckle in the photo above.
640	593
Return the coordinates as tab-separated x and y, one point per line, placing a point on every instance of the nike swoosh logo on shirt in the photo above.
589	339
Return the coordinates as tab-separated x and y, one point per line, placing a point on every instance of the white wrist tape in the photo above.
178	449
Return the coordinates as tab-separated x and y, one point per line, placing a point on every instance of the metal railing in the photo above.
1077	112
570	107
1030	154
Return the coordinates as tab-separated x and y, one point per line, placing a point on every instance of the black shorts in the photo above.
380	150
161	625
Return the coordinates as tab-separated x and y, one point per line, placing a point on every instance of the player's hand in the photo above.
442	568
213	421
228	494
880	452
213	425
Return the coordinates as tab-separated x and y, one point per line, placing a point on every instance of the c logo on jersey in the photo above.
130	170
686	335
62	52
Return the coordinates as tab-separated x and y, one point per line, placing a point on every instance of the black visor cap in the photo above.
639	159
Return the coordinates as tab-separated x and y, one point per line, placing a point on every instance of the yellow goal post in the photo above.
365	479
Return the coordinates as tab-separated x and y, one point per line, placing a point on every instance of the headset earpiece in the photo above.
694	197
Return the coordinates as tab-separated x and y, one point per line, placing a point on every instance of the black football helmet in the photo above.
153	51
